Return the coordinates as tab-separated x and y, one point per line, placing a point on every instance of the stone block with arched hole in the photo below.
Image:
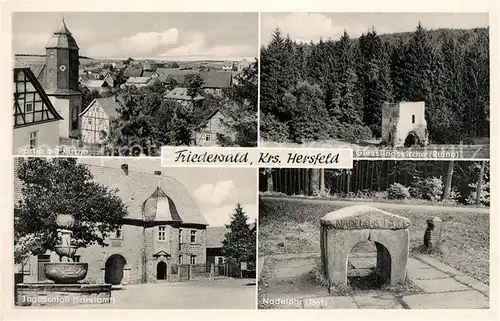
341	230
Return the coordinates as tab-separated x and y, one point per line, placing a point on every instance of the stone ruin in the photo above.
341	230
404	124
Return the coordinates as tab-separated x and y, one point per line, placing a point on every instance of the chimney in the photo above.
158	173
125	168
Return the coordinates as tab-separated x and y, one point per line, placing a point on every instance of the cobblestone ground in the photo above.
201	294
289	283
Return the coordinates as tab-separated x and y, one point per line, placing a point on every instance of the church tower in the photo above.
62	80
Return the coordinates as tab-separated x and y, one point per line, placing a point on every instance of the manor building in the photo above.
163	236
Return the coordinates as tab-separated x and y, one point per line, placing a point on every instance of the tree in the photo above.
132	132
309	117
374	76
449	179
279	74
174	65
194	85
146	122
62	186
239	244
171	83
480	183
345	102
241	108
88	96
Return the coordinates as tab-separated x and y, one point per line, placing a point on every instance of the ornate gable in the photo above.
31	104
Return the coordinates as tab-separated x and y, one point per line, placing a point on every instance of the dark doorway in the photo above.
114	269
411	140
161	271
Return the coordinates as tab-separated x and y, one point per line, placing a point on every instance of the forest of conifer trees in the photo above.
334	89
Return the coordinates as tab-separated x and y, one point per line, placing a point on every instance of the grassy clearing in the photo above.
293	227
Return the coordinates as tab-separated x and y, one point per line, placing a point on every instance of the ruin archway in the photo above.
412	140
114	269
368	266
161	271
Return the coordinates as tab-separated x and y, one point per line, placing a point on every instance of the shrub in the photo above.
272	129
415	192
380	195
485	194
324	193
430	188
398	191
353	132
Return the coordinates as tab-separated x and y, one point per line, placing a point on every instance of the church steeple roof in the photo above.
63	29
62	38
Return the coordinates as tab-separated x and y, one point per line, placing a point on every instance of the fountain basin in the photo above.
66	272
65	250
65	220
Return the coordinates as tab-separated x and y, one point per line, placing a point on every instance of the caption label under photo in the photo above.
256	157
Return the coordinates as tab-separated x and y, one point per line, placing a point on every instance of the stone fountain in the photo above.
65	275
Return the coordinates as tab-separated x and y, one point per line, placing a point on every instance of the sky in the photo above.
215	190
167	36
304	27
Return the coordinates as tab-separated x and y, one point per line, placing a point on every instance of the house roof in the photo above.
175	73
216	79
132	72
136	188
181	93
217	234
138	80
204	121
109	104
96	83
148	73
104	72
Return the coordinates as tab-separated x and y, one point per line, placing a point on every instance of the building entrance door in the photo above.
161	271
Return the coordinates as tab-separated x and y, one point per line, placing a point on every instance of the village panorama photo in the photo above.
127	233
376	81
154	79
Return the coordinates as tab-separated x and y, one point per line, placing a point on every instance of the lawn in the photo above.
293	227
